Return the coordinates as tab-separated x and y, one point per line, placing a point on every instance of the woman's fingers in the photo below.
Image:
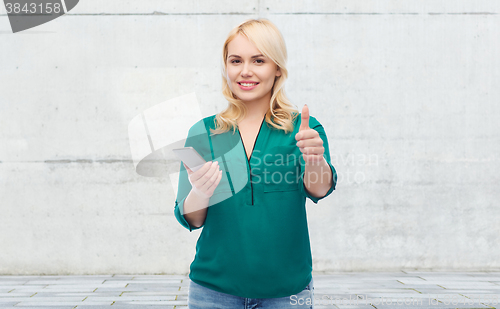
313	150
213	182
199	173
212	176
198	178
211	189
207	176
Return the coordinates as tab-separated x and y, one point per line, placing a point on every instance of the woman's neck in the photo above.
256	110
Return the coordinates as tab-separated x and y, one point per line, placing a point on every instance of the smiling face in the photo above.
250	74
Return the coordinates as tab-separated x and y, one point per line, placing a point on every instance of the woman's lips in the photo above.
248	87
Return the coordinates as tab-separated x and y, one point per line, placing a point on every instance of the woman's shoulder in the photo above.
204	121
201	126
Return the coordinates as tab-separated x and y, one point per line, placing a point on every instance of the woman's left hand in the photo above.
308	140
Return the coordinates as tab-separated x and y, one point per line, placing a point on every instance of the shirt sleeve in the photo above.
179	205
314	124
196	139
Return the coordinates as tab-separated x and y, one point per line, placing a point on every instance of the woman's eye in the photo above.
237	61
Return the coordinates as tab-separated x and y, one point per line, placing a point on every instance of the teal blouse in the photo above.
255	239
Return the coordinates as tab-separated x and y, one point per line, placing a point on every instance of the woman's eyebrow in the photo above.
255	56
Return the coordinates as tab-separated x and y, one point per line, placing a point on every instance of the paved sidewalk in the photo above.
353	290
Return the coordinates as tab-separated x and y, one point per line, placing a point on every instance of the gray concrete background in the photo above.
407	92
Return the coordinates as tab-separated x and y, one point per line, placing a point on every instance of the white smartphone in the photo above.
191	157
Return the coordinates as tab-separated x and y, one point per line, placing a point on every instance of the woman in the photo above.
254	250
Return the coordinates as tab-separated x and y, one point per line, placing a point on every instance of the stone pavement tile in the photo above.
111	284
53	304
361	273
480	297
458	276
3	290
145	293
14	299
39	297
132	285
26	289
335	297
114	282
43	307
44	299
115	306
329	306
124	276
439	306
457	291
154	284
63	280
47	282
75	277
151	302
6	283
149	288
458	279
182	297
381	290
492	300
423	286
346	287
75	294
416	281
352	279
81	284
59	303
11	277
394	295
66	289
486	276
131	298
319	290
471	285
161	277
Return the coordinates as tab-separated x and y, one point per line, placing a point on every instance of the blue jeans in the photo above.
200	297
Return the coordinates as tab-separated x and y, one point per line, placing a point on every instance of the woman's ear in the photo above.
278	72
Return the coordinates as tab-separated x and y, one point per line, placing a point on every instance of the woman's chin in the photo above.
248	98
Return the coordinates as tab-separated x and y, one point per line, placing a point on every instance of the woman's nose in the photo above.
246	70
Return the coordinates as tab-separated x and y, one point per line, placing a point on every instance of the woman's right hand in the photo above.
206	179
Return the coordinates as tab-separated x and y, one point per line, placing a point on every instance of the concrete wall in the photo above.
406	90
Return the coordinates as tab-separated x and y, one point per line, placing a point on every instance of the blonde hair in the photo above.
268	40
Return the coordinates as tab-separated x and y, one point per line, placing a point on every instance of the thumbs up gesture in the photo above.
308	140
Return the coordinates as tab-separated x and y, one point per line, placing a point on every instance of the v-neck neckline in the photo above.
255	142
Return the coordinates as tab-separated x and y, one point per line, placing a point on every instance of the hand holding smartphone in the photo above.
197	168
191	157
